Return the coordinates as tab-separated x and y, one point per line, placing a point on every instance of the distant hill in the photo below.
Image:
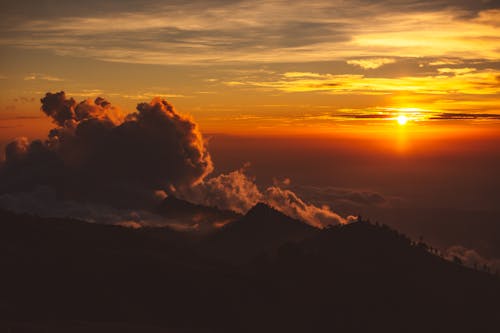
59	272
63	275
371	278
261	230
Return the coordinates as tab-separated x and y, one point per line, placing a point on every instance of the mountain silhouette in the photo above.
260	230
280	275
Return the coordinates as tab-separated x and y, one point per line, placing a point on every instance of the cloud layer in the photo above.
167	32
471	258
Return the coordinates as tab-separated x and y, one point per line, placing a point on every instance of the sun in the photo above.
402	120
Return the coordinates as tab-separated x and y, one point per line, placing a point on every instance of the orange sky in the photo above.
273	67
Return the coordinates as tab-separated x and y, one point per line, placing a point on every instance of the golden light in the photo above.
402	120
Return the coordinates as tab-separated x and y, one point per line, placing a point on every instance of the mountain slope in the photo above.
368	277
261	230
62	275
66	271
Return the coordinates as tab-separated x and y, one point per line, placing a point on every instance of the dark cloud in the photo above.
464	116
36	8
98	154
469	8
59	108
366	116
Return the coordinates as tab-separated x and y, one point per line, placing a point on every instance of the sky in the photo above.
260	66
397	98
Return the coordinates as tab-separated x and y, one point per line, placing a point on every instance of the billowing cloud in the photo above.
290	204
233	191
97	153
238	192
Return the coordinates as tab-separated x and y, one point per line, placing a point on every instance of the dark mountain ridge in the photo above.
282	275
261	230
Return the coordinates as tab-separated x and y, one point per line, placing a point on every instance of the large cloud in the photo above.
96	153
238	192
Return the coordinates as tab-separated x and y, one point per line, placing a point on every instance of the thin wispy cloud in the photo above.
267	31
464	81
43	77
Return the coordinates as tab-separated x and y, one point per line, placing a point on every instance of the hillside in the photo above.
62	275
261	230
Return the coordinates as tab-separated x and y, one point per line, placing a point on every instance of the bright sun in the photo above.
402	120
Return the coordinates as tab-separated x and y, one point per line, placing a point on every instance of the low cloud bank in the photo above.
471	258
238	192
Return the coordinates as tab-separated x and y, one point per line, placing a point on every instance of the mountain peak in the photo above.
262	208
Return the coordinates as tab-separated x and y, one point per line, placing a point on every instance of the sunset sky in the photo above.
394	97
260	67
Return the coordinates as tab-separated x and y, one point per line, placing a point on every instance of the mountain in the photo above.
63	275
203	217
366	277
261	230
60	275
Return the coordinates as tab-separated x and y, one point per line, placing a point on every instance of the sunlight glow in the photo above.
402	120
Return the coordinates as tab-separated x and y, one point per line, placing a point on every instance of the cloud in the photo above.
292	205
371	63
97	153
202	32
471	258
23	99
441	62
464	116
99	156
238	192
456	71
42	77
44	201
233	191
464	81
301	74
335	196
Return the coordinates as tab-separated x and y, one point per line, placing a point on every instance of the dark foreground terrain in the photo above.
264	272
